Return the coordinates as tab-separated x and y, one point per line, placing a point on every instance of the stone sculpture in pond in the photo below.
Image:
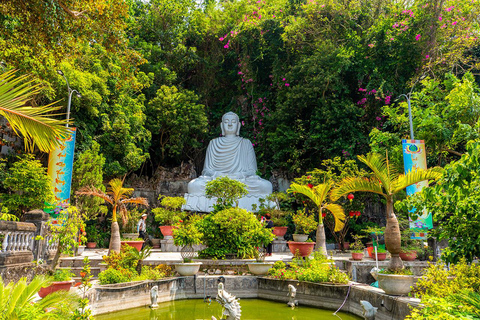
231	307
232	156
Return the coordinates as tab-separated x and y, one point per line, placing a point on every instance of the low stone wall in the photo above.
109	298
360	270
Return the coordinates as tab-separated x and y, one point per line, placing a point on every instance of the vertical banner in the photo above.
414	156
60	169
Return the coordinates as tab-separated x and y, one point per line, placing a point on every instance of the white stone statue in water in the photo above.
232	156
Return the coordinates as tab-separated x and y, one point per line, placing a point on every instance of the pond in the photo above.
252	309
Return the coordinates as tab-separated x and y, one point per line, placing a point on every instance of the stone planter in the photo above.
300	237
408	255
187	269
166	231
304	248
135	244
259	268
130	235
55	286
156	243
280	232
357	255
396	285
80	250
91	245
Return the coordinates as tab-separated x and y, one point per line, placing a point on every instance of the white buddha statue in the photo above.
232	156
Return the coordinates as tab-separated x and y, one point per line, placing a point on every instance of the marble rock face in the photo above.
232	156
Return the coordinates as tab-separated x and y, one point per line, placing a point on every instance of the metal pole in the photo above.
410	120
70	92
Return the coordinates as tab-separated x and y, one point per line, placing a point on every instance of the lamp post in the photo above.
70	92
408	96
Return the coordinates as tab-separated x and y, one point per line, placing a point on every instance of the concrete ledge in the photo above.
17	226
109	298
360	270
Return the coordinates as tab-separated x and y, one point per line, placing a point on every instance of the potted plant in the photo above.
260	267
357	247
129	228
61	280
92	236
187	234
377	240
169	214
278	216
409	246
134	243
304	224
381	254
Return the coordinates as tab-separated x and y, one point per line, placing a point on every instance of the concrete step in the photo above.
76	271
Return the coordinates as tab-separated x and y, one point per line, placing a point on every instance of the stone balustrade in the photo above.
17	240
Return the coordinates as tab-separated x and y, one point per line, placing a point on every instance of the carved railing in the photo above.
15	241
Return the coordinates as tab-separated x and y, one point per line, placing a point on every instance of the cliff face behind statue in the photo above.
232	156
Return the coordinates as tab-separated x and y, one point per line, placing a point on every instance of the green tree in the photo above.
454	203
385	181
88	171
227	192
27	186
176	121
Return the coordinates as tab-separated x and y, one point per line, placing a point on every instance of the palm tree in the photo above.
118	197
17	301
385	181
318	194
27	121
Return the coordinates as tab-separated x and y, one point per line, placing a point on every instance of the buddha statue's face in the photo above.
230	124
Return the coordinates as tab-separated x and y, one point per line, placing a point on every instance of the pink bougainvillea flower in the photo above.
440	18
427	56
418	36
449	8
226	46
287	85
283	79
454	23
378	118
371	45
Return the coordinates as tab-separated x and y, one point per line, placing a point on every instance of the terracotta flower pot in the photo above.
91	245
135	244
357	255
280	231
304	248
380	256
55	286
166	231
408	255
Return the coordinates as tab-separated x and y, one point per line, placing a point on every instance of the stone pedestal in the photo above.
279	245
167	246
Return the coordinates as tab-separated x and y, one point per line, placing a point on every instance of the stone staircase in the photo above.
75	264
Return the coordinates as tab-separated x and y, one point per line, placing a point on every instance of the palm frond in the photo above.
92	191
30	122
307	191
348	185
338	214
416	176
137	201
117	191
381	169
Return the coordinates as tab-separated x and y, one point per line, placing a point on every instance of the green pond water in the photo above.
252	309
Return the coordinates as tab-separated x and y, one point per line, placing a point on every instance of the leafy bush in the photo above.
27	186
186	232
62	275
227	191
448	294
170	212
304	224
111	276
319	269
233	231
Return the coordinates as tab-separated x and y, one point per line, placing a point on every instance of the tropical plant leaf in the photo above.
32	123
338	215
349	185
416	176
381	169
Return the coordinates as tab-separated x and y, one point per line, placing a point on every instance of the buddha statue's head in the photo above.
230	124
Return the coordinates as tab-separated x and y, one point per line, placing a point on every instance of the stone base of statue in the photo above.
279	246
200	203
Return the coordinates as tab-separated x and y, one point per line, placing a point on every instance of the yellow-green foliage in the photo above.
304	224
170	212
449	294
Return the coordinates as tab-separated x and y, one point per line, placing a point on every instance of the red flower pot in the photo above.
357	255
304	248
408	256
55	286
91	245
280	231
135	244
166	230
380	256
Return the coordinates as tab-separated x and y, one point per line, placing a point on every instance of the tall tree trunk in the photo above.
114	238
392	237
321	245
